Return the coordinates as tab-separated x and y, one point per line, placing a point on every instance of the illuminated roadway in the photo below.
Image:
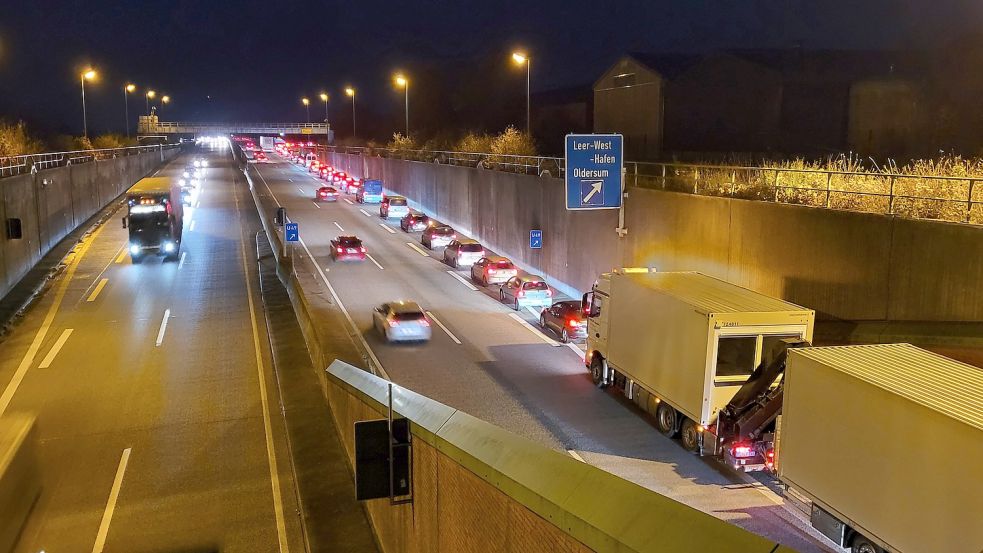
156	436
485	362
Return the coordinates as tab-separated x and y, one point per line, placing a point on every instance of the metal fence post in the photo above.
969	201
829	181
890	202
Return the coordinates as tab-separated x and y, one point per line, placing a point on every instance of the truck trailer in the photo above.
886	441
683	345
154	217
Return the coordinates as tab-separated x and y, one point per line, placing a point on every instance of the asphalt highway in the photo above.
153	391
494	363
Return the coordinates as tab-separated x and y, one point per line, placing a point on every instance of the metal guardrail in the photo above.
30	163
956	199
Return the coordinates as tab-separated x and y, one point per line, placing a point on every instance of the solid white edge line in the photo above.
444	328
534	312
418	249
107	515
366	213
463	281
48	359
344	310
339	226
349	201
191	228
533	329
385	226
576	456
163	327
181	262
372	259
95	293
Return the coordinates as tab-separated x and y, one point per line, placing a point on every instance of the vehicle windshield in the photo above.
535	286
409	316
445	231
397	201
349	242
147	221
471	248
503	264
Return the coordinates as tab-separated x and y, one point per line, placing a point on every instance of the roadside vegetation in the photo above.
16	140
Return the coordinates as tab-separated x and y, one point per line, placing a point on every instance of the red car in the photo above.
314	167
260	157
347	248
327	194
351	185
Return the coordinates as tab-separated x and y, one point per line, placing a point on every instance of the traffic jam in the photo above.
560	319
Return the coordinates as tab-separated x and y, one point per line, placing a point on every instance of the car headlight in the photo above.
169	247
134	249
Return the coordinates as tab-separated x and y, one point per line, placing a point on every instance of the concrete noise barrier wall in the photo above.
845	265
52	203
477	487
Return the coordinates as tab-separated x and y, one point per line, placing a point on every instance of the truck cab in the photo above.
154	218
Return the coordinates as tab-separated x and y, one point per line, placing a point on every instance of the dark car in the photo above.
414	222
565	319
327	194
347	248
438	236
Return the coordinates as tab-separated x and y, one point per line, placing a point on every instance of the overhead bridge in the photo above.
151	126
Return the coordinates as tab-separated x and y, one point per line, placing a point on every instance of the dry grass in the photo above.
923	189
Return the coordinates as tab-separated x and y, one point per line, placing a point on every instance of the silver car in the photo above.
402	321
463	252
527	290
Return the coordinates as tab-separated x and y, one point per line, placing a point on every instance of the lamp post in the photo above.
402	82
520	59
150	96
126	106
307	104
165	99
351	92
324	98
88	75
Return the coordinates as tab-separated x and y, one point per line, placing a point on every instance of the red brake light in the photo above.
549	293
573	323
741	450
362	249
340	250
424	322
520	294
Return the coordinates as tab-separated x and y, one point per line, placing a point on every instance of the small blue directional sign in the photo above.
292	230
535	239
594	170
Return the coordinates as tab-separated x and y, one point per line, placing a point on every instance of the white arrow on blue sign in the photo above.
535	239
292	230
594	171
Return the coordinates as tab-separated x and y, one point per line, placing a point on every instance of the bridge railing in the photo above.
146	125
916	196
29	163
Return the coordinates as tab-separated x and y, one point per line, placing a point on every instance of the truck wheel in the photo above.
863	545
597	373
689	435
667	420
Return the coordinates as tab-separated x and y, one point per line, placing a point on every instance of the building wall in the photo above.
628	100
845	265
724	103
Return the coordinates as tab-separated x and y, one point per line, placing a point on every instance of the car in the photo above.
327	194
526	291
371	192
347	248
309	159
437	236
352	185
414	222
565	319
325	173
187	195
463	252
338	176
402	321
493	269
314	167
393	207
260	157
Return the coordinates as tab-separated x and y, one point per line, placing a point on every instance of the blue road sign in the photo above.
535	239
292	230
594	170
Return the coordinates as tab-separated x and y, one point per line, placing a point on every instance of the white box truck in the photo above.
267	143
887	443
685	347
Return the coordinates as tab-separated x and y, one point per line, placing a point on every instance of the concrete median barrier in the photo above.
20	482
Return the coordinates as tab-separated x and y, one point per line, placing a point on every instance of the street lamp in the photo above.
351	92
402	82
150	96
520	59
324	98
307	104
126	106
165	99
88	75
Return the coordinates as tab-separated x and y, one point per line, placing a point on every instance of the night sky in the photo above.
256	59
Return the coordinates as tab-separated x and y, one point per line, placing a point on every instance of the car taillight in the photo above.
424	322
340	250
362	250
521	293
453	236
770	458
549	293
573	323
